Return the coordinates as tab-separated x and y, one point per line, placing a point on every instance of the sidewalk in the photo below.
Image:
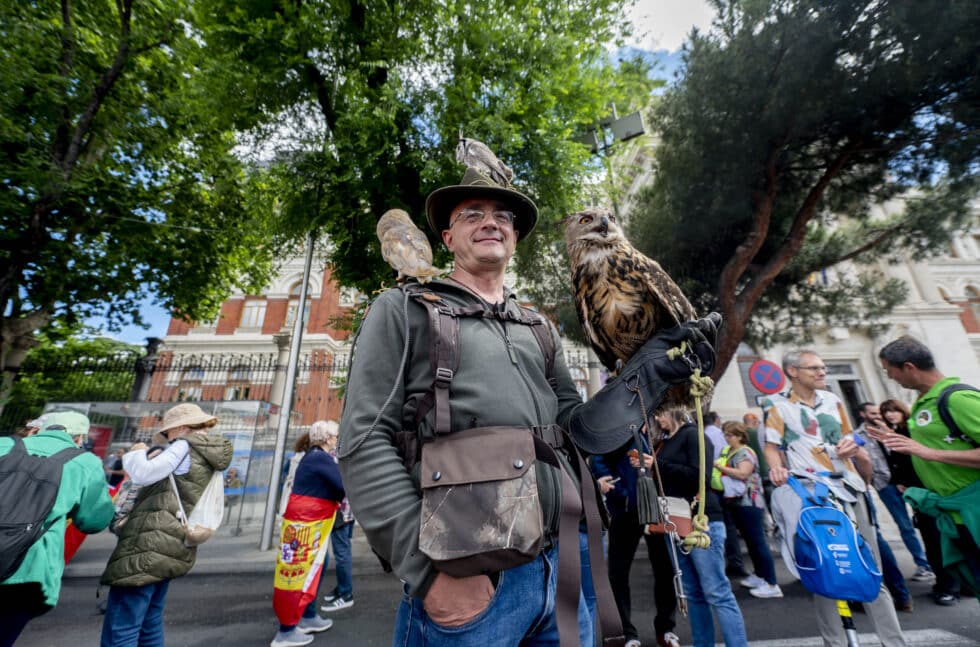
222	554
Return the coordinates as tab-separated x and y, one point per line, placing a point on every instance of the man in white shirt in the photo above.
807	432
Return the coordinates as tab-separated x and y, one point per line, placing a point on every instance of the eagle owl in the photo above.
476	154
622	297
405	247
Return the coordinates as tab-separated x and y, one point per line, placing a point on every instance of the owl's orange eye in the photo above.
584	220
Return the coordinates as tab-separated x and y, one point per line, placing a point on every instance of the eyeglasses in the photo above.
474	216
816	369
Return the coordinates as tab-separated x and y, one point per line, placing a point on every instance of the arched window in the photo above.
294	305
973	299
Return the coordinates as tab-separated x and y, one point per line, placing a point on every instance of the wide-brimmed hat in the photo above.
185	414
71	422
441	202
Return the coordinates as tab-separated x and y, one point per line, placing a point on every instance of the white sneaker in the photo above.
314	625
923	574
633	642
767	591
753	582
292	638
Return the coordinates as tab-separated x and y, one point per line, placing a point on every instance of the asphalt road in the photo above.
215	609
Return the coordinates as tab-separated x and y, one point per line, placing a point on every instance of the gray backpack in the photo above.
28	489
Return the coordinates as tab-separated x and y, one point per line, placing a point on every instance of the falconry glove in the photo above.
608	421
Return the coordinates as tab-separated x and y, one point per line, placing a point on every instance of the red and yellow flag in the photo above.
306	527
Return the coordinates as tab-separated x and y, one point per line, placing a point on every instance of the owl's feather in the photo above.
405	247
476	154
622	297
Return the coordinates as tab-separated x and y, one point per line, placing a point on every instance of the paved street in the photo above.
227	600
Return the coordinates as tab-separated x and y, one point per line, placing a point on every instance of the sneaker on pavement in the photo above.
330	597
767	590
669	639
633	642
338	603
945	599
314	625
753	582
923	574
292	638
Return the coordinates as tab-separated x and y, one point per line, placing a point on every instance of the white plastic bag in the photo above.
207	514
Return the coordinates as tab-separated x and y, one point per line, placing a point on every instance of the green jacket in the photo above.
83	497
966	503
500	381
151	543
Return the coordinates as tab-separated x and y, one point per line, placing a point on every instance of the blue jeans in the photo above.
340	545
134	616
707	588
891	573
892	499
748	520
522	610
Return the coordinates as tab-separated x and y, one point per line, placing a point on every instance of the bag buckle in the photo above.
443	377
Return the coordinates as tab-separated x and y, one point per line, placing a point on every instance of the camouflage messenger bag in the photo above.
480	507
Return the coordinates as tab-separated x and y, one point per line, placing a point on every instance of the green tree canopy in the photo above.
374	95
793	120
117	180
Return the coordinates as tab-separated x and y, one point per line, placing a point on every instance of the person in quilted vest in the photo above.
151	549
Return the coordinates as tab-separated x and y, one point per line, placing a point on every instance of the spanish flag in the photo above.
306	527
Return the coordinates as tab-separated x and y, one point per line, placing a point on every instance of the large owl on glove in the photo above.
622	297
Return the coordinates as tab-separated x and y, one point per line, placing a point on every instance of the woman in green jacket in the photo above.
151	549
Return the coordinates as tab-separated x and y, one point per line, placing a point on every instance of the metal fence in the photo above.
207	377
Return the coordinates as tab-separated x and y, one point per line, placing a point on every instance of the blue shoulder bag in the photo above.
831	556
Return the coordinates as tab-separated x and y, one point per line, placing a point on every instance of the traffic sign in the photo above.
766	376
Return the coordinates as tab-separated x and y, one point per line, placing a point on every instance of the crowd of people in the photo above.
464	457
153	517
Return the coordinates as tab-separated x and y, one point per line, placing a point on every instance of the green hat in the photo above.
71	422
441	202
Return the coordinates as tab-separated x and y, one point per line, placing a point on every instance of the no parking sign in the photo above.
767	376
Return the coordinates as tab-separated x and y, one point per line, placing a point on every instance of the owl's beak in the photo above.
603	225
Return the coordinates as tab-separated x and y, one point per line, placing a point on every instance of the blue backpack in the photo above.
831	556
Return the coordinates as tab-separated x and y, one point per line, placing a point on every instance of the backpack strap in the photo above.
443	352
817	497
942	406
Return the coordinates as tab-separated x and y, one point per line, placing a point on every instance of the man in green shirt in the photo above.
948	464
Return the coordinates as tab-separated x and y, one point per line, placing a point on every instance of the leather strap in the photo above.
610	623
569	561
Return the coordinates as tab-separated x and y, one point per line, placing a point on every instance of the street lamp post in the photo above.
286	409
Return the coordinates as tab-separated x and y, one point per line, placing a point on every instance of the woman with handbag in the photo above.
745	501
307	522
152	548
703	570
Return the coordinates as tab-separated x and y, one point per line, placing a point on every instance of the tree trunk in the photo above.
16	339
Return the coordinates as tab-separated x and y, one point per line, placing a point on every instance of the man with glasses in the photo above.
403	399
807	434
